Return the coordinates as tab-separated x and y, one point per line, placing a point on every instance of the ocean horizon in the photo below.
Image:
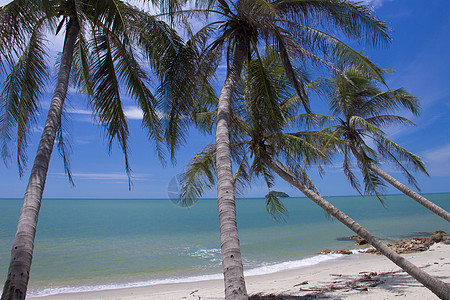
96	244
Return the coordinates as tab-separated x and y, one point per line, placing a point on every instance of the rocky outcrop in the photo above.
359	240
416	244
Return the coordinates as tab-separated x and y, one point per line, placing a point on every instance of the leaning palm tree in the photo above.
261	146
98	53
361	109
298	30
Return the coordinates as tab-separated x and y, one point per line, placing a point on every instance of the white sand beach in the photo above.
345	278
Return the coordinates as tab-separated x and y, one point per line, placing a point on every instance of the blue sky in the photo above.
418	53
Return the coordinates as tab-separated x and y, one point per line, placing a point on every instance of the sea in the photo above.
98	244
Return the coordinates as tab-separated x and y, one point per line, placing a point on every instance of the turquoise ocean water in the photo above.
88	244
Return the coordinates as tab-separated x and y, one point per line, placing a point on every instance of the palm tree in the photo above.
361	109
260	143
297	30
98	52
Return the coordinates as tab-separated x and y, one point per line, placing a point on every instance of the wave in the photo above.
212	255
264	268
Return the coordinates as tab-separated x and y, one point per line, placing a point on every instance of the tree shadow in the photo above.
316	295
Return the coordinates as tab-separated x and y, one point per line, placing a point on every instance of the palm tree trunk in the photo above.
408	192
233	270
22	249
438	287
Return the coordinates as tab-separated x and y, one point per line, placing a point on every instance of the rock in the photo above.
440	232
419	239
446	240
345	251
436	238
325	251
420	248
360	241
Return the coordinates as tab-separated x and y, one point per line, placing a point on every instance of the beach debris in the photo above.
284	296
302	283
345	283
193	292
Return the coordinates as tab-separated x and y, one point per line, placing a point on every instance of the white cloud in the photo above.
438	160
375	3
133	113
79	111
82	142
439	155
105	176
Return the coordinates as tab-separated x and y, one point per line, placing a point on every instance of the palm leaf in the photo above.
64	149
22	88
275	208
198	177
106	100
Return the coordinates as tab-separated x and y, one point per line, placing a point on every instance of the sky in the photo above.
418	53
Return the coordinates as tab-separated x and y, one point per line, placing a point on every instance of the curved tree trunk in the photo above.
22	250
438	287
231	254
408	192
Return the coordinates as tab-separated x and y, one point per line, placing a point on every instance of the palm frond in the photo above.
18	22
81	65
348	171
373	184
353	19
198	177
183	97
390	101
401	157
136	81
385	120
22	88
357	122
242	177
281	43
309	121
64	149
263	92
106	100
275	208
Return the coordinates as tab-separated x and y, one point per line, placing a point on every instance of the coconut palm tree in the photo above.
361	109
298	30
263	112
98	53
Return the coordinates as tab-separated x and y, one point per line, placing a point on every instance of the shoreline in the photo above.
356	276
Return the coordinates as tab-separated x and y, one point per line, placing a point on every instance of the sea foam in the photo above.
261	270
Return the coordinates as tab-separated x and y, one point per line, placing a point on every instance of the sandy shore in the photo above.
345	278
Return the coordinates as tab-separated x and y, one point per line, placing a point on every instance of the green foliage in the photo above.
280	194
199	176
259	122
106	65
20	96
300	32
361	110
275	207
